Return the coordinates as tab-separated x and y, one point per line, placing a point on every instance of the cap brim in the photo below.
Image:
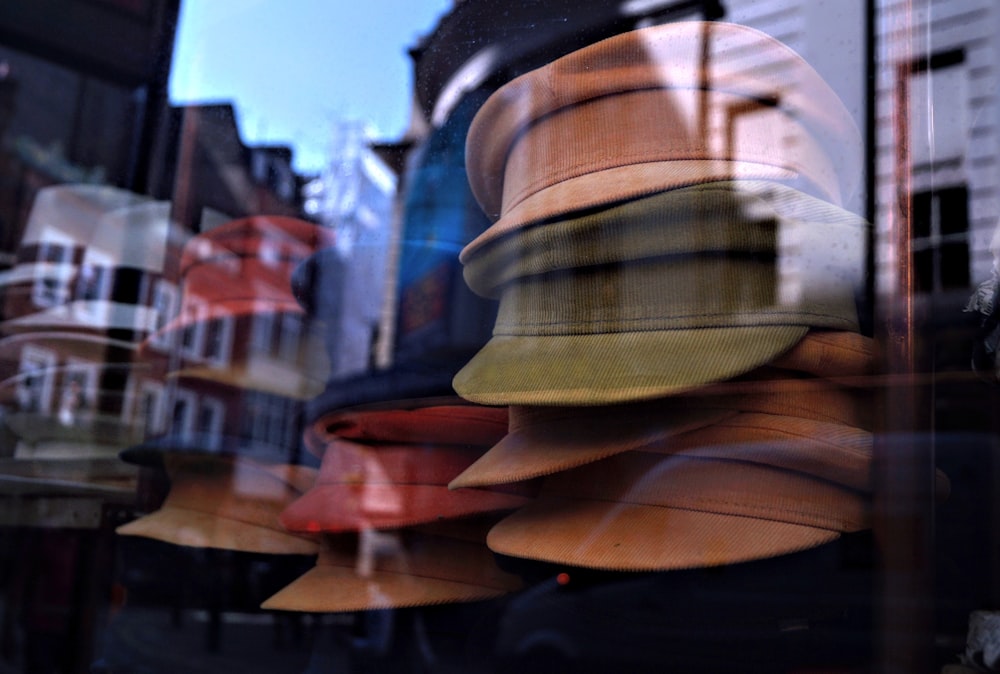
191	528
595	534
538	450
599	369
329	589
333	508
431	569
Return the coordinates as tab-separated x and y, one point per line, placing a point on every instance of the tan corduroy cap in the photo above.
661	295
643	511
652	109
746	493
229	503
420	566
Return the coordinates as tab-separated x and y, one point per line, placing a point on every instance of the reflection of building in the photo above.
83	100
240	355
215	412
936	141
353	196
199	161
90	84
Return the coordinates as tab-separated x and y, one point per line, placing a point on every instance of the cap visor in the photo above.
191	528
282	379
535	451
28	272
332	589
597	369
107	477
432	568
630	537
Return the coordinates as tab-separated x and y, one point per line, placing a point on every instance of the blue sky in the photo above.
295	67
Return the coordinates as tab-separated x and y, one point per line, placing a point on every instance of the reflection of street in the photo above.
145	639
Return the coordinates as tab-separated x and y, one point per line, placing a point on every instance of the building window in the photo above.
151	407
78	393
262	333
940	239
290	341
211	413
182	413
192	335
54	287
50	292
34	390
219	340
938	104
165	308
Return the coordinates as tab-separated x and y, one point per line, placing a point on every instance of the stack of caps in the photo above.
677	334
82	295
393	534
238	360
